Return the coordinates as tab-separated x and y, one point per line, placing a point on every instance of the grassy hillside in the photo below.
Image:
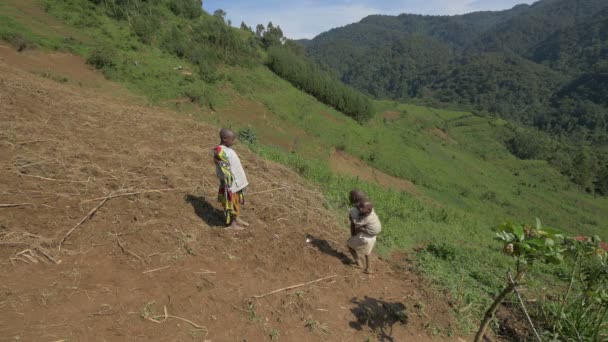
466	181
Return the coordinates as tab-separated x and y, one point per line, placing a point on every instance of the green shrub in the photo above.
197	92
248	135
318	83
19	41
190	9
145	27
103	57
442	250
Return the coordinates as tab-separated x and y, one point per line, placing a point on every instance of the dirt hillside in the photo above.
66	145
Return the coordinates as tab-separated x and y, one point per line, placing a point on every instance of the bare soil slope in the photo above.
65	147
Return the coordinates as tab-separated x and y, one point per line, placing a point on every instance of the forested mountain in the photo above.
543	65
520	63
578	48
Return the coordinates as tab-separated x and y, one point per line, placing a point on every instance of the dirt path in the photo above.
63	145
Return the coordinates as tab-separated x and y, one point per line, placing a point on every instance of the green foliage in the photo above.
542	66
527	145
270	36
16	34
197	92
103	57
528	245
581	311
248	135
442	250
578	315
19	41
319	84
145	27
190	9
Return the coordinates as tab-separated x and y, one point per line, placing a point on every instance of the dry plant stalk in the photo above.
103	201
89	215
14	205
33	243
155	269
293	286
126	251
167	316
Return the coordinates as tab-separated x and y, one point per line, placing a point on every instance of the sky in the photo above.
307	18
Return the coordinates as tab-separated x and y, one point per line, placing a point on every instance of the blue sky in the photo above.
307	18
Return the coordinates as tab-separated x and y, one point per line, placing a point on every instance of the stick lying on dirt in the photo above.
205	272
156	269
53	179
89	215
166	316
14	205
133	193
126	251
293	287
269	190
103	201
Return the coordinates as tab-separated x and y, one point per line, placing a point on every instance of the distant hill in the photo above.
520	63
304	42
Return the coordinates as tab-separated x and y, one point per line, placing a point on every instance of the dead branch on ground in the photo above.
293	287
89	215
11	205
155	319
126	251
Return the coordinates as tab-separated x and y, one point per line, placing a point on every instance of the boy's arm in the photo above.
353	229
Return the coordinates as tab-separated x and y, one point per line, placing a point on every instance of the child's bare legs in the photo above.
234	223
355	257
368	264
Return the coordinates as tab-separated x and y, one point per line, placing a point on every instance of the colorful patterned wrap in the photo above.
230	201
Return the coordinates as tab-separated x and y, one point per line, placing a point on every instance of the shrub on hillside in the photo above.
190	9
175	42
18	41
196	93
145	27
103	57
207	71
248	135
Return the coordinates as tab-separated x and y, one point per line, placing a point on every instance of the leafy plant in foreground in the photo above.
526	245
581	313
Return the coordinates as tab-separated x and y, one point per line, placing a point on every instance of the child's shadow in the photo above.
325	247
202	208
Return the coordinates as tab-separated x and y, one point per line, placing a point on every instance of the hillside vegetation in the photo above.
465	179
542	65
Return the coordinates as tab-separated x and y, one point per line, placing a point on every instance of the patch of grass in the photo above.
315	326
274	335
148	310
17	34
253	315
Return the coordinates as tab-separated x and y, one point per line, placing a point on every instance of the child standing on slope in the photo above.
233	180
365	226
